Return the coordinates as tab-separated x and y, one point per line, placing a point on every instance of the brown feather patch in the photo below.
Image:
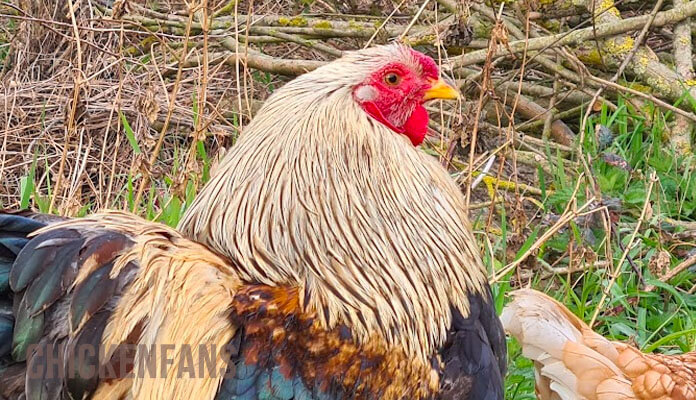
278	332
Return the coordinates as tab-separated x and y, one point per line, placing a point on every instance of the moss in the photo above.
637	86
591	57
482	30
420	40
298	21
323	25
553	25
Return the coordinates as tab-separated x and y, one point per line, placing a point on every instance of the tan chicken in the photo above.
574	363
334	260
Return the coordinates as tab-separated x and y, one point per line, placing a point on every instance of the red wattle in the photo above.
374	111
416	126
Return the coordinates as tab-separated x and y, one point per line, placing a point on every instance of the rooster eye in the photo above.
392	79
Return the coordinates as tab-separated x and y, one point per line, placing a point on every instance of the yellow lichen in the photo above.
323	25
607	7
619	46
358	27
419	41
690	82
298	21
294	21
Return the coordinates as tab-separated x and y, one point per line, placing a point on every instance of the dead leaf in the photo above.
616	161
659	263
148	106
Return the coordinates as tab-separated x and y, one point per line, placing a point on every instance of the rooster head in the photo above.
395	91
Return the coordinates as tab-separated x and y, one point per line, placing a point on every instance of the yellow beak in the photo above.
440	90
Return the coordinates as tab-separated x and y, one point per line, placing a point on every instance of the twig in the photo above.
170	111
296	39
484	172
636	45
617	269
383	24
638	93
680	134
70	128
414	19
683	266
566	217
663	18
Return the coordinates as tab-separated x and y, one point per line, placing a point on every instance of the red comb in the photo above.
430	69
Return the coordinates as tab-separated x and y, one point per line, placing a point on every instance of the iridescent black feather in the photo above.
38	293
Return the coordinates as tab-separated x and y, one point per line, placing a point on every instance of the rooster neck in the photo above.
373	231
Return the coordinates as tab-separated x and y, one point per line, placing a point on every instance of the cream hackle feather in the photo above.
317	192
574	363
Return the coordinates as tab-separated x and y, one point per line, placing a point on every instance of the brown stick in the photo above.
674	272
663	18
680	134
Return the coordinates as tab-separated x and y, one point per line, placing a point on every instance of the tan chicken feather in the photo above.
574	363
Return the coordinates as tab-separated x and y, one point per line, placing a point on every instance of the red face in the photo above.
394	95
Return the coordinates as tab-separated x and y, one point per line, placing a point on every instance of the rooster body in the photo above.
112	280
330	257
573	362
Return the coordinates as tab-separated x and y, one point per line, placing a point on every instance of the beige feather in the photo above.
573	362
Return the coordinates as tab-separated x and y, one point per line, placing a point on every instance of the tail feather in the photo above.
5	266
15	227
6	324
571	360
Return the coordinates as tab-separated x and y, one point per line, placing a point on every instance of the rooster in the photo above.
572	362
328	256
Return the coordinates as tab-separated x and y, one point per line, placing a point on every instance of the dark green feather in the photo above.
19	224
27	332
38	255
55	279
6	326
5	267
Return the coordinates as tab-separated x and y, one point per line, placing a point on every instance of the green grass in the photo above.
663	320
